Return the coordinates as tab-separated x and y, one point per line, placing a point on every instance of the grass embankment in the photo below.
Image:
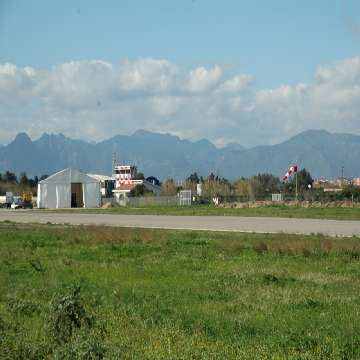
265	211
96	292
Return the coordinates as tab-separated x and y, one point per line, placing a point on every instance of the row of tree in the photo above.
259	187
256	187
10	182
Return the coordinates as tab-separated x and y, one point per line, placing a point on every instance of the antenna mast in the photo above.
114	162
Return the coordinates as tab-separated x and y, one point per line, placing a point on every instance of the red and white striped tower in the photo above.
124	175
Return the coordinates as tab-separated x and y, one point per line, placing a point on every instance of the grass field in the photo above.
267	211
100	292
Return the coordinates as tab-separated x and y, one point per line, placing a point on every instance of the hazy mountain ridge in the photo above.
165	155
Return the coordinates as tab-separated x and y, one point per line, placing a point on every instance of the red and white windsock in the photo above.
293	169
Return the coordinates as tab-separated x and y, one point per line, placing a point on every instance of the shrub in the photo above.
68	314
22	307
81	348
260	247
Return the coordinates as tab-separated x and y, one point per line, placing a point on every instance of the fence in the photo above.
152	201
312	195
143	201
175	200
107	200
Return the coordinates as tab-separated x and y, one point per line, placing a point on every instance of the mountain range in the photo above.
167	156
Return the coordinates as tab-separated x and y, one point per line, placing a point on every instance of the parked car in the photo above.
17	203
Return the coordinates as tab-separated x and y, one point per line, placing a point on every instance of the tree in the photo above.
168	187
24	181
351	192
10	177
191	182
257	187
140	190
242	188
211	177
194	178
304	179
33	182
263	185
214	186
139	176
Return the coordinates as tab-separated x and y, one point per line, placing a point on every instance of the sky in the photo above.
253	72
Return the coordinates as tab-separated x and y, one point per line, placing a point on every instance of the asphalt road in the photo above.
213	223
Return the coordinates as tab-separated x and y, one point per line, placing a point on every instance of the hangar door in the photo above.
76	195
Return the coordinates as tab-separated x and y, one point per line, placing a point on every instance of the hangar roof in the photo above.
69	175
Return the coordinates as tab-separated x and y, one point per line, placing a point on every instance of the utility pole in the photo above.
114	160
296	181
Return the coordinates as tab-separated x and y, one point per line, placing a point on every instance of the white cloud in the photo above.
15	83
236	84
95	100
166	105
201	79
148	75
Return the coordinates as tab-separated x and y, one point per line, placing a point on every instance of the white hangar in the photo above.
69	188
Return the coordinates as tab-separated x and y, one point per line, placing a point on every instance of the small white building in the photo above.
69	188
107	184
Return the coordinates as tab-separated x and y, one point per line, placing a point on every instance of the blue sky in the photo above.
277	41
253	72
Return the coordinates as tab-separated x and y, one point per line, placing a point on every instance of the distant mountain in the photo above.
319	151
164	155
234	146
154	154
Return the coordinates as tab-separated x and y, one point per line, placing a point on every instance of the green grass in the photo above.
266	211
100	292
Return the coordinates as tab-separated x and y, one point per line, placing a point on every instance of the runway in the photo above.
210	223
